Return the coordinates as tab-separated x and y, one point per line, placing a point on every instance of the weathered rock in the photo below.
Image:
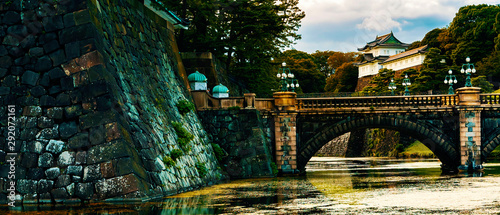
29	160
117	186
74	170
53	23
68	129
63	99
84	190
32	111
35	173
11	17
26	186
79	140
37	91
91	173
43	64
81	157
62	181
51	46
45	122
71	189
66	158
55	113
30	78
107	151
47	100
55	146
5	62
52	173
59	194
45	185
36	51
97	135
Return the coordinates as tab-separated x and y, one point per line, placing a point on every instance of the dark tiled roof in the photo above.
421	49
380	59
384	40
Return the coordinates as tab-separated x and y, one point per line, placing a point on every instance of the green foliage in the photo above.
380	82
185	106
344	79
234	108
400	148
301	64
480	81
202	169
220	154
168	161
243	34
184	137
274	168
176	153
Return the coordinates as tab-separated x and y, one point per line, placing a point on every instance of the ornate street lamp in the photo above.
406	83
450	79
392	86
469	68
288	81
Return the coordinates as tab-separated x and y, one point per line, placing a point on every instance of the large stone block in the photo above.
92	173
79	140
84	190
117	186
46	160
108	151
55	146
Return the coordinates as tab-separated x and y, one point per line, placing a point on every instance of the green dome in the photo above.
220	89
197	77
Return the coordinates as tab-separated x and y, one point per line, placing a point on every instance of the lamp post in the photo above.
469	68
406	83
392	86
450	79
288	81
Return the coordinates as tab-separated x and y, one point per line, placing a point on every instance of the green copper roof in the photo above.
197	77
220	89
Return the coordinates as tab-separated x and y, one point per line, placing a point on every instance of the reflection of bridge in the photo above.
452	126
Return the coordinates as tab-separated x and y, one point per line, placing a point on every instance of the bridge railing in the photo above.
490	98
377	101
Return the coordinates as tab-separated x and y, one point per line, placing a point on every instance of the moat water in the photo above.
331	186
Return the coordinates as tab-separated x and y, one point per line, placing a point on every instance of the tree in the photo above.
321	61
302	65
244	34
481	81
380	82
344	79
473	30
432	74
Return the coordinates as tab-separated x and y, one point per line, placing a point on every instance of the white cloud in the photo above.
379	23
344	24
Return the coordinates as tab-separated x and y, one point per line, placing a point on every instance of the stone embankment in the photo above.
95	85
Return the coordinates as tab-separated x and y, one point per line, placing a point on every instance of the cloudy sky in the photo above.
345	25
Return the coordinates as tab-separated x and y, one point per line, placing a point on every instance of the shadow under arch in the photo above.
438	142
491	141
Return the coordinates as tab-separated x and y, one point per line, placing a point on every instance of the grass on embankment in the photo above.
417	150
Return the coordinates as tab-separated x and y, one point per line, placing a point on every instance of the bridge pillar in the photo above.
285	132
470	128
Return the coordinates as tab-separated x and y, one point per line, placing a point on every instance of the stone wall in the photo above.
95	86
336	147
245	137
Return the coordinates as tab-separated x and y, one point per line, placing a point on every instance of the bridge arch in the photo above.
438	142
490	142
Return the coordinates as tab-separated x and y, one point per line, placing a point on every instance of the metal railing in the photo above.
363	94
382	101
490	98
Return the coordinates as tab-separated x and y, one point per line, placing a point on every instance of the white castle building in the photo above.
388	52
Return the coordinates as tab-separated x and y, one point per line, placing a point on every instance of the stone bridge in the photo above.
460	129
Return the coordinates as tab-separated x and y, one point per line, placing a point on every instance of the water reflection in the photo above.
331	185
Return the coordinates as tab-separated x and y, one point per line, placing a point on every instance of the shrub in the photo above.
184	106
219	152
202	170
234	108
184	137
176	153
168	161
274	168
